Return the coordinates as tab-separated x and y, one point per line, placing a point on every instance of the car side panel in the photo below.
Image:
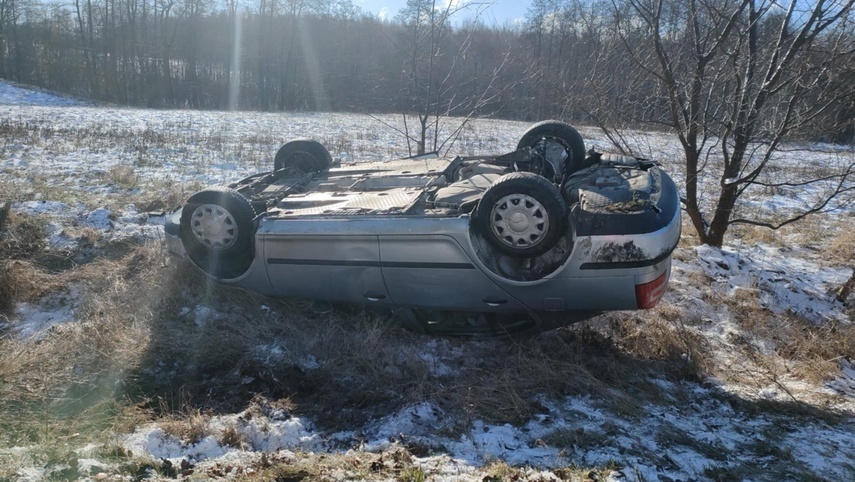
593	290
327	267
433	271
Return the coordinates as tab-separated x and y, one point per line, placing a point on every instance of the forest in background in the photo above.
311	55
565	61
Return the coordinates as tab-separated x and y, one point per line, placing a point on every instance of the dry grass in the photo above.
688	236
841	250
166	195
23	237
363	367
66	383
121	176
395	463
141	349
817	349
190	427
664	334
23	276
153	342
812	231
810	350
23	281
773	348
751	234
366	366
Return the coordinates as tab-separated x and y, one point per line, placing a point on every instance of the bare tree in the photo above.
431	89
11	11
565	35
738	77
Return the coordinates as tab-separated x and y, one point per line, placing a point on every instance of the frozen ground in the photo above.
12	95
76	166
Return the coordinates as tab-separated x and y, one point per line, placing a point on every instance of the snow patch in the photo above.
34	321
12	95
262	433
156	443
844	383
99	219
786	283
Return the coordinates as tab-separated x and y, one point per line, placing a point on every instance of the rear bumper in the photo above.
630	251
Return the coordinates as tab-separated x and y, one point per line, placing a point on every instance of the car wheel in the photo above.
217	231
559	144
303	154
521	214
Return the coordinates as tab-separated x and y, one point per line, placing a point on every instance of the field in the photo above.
119	363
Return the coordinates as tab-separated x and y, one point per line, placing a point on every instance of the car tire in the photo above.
541	134
306	155
217	231
521	214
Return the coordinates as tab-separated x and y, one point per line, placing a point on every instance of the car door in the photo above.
432	271
332	267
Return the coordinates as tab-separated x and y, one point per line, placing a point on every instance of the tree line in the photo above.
283	54
566	60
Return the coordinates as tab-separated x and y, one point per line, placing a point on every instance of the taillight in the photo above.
648	294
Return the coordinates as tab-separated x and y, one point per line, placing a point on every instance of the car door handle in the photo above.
494	301
374	296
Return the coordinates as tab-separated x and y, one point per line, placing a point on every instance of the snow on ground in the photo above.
799	284
56	171
32	322
12	95
654	447
65	222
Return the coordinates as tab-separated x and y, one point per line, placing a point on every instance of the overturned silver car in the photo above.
533	239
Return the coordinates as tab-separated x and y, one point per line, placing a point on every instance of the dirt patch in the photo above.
615	253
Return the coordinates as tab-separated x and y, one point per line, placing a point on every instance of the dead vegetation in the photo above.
842	251
774	349
22	255
154	342
664	334
135	354
145	341
788	343
842	246
22	238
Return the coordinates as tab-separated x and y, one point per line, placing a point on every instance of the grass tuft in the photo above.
23	237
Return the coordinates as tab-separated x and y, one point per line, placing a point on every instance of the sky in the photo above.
496	12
